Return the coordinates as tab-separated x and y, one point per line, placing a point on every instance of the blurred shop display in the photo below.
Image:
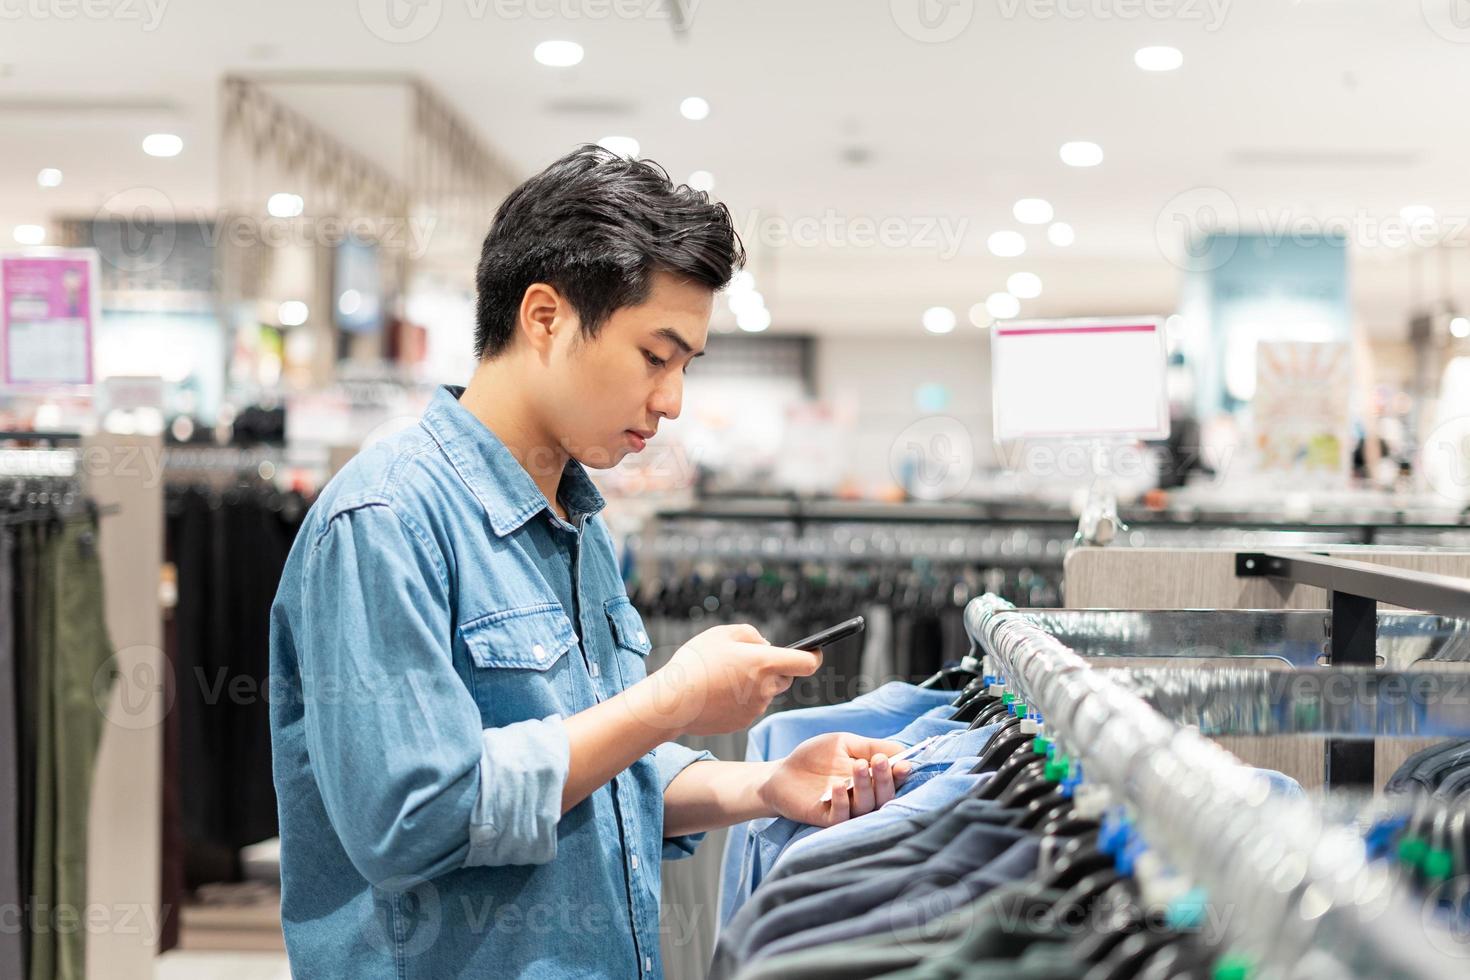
54	672
330	239
228	540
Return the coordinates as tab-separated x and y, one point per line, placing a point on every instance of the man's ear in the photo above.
544	312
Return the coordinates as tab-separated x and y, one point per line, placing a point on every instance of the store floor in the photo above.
179	965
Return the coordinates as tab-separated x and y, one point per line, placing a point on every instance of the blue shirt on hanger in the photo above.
876	714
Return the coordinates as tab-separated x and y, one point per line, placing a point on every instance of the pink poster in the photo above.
47	320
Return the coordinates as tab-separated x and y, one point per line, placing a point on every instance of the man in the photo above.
476	778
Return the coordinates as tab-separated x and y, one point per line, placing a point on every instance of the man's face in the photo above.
607	396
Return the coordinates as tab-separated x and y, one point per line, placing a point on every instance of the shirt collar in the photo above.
494	475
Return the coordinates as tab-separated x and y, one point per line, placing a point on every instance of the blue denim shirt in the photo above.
435	624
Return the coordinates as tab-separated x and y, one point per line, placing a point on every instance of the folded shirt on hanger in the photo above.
886	954
877	714
767	839
923	896
937	790
837	850
919	838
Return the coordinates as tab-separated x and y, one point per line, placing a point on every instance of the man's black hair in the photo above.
597	226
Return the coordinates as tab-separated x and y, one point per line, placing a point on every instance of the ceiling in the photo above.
1287	112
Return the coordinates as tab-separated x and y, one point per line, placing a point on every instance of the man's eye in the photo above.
654	359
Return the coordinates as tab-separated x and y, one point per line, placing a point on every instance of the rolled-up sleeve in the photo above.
412	784
672	759
523	771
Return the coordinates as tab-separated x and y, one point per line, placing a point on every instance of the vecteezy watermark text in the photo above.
407	21
943	234
148	13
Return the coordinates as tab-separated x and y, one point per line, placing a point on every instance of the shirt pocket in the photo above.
519	662
630	639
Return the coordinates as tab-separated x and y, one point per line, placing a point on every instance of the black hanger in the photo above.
1078	859
1128	957
955	677
1067	824
1028	786
987	714
968	707
1044	808
1124	916
1000	746
974	688
1032	767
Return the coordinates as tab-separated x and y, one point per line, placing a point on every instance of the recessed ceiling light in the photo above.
285	205
1006	244
702	180
623	146
1032	211
292	313
980	316
1158	58
745	300
559	54
1024	285
939	319
349	302
1460	327
694	108
1002	306
753	321
1415	213
1061	234
162	145
1081	154
49	177
29	234
741	282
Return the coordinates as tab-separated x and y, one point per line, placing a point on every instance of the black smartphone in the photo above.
829	635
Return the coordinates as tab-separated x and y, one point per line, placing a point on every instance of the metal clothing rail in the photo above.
1341	703
1355	588
1295	891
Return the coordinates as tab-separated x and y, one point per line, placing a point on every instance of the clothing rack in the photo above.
1187	526
1302	890
1354	589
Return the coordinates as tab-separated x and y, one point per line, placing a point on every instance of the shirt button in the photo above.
647	964
539	651
642	637
596	670
635	862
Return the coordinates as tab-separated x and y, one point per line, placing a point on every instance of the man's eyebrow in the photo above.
669	333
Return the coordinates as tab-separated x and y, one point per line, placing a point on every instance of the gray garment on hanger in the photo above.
877	664
12	941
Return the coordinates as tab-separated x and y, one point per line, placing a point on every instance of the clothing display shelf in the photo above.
1301	890
1354	590
971	531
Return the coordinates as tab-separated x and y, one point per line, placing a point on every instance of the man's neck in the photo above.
490	397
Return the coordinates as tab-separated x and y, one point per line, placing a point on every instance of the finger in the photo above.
862	788
775	684
860	747
901	771
840	804
745	633
883	788
796	663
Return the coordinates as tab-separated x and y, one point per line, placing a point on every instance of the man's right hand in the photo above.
723	680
